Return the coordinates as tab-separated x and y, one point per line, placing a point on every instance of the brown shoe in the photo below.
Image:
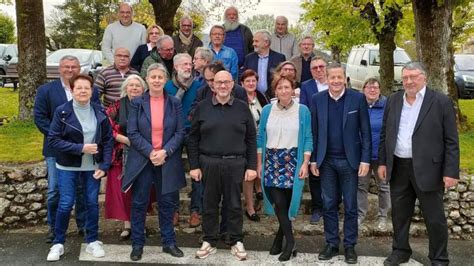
176	218
194	220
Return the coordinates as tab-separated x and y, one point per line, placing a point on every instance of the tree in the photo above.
32	53
165	12
79	24
261	22
463	22
7	29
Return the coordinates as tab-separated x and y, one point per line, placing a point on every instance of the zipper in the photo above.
62	120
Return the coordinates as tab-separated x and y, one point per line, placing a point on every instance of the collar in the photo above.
420	94
338	97
281	36
263	56
118	70
281	107
131	22
319	83
64	85
148	45
215	102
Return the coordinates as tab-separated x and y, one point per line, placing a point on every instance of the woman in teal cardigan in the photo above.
284	146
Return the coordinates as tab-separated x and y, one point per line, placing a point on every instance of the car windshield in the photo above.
11	50
400	58
82	55
464	63
2	49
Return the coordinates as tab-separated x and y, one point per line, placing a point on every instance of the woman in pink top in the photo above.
156	133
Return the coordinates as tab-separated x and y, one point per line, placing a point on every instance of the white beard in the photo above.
230	26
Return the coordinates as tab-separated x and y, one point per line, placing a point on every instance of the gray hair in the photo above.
206	53
229	8
186	17
69	58
123	88
161	39
414	65
217	27
334	65
177	58
157	66
317	57
265	34
127	4
282	18
307	37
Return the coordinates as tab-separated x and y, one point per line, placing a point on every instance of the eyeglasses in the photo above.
198	58
125	12
288	69
217	34
411	77
154	33
122	56
222	82
167	50
209	80
186	25
372	87
318	67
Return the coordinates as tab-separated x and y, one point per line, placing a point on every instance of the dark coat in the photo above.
140	54
180	48
435	145
66	137
139	133
308	89
48	97
274	59
355	126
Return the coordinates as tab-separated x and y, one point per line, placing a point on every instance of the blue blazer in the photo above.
66	137
48	97
355	126
307	90
274	58
139	133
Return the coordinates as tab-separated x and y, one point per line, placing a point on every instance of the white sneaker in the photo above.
55	252
238	251
382	224
205	250
95	249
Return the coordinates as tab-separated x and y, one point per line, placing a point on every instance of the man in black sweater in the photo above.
222	152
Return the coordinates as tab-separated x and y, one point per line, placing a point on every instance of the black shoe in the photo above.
259	195
395	260
49	237
254	217
81	232
277	246
173	251
350	256
288	253
328	252
136	254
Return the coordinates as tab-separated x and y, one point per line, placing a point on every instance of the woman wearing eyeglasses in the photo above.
143	51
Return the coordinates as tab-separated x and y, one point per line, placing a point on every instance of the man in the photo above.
109	79
163	54
263	61
202	57
123	33
222	167
238	36
419	156
48	97
317	83
303	60
341	132
227	55
185	41
183	86
284	42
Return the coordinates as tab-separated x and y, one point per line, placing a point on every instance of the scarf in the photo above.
182	85
186	40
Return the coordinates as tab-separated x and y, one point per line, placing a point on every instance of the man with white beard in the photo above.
237	36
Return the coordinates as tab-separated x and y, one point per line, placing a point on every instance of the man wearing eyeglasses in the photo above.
123	33
303	60
222	167
163	54
185	41
419	156
223	53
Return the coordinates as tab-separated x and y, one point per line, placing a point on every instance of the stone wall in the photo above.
23	191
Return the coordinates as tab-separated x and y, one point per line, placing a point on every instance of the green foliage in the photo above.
79	24
7	29
463	22
261	22
197	13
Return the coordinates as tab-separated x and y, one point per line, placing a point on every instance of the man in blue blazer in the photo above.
342	139
263	61
48	97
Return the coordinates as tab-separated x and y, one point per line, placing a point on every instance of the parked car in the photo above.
364	62
464	74
8	55
90	60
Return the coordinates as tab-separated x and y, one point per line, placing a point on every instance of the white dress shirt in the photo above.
403	147
321	86
67	90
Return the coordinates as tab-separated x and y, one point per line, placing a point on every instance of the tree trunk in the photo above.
386	71
165	10
336	53
31	53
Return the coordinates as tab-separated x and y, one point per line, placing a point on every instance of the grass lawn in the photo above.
8	102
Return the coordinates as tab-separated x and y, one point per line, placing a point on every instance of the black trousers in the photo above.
403	193
315	189
222	178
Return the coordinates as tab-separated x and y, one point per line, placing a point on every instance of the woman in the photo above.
156	132
288	69
284	146
153	32
376	103
256	101
117	203
81	134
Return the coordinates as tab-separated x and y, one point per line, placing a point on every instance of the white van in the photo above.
364	62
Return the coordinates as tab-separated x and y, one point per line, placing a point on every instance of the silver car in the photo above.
90	60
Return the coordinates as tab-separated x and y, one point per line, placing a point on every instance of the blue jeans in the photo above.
53	197
151	176
67	184
337	176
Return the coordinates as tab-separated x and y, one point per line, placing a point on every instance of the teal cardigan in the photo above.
305	144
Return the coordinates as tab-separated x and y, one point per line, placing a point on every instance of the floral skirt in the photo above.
280	167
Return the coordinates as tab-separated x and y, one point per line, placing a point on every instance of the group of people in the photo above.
291	117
